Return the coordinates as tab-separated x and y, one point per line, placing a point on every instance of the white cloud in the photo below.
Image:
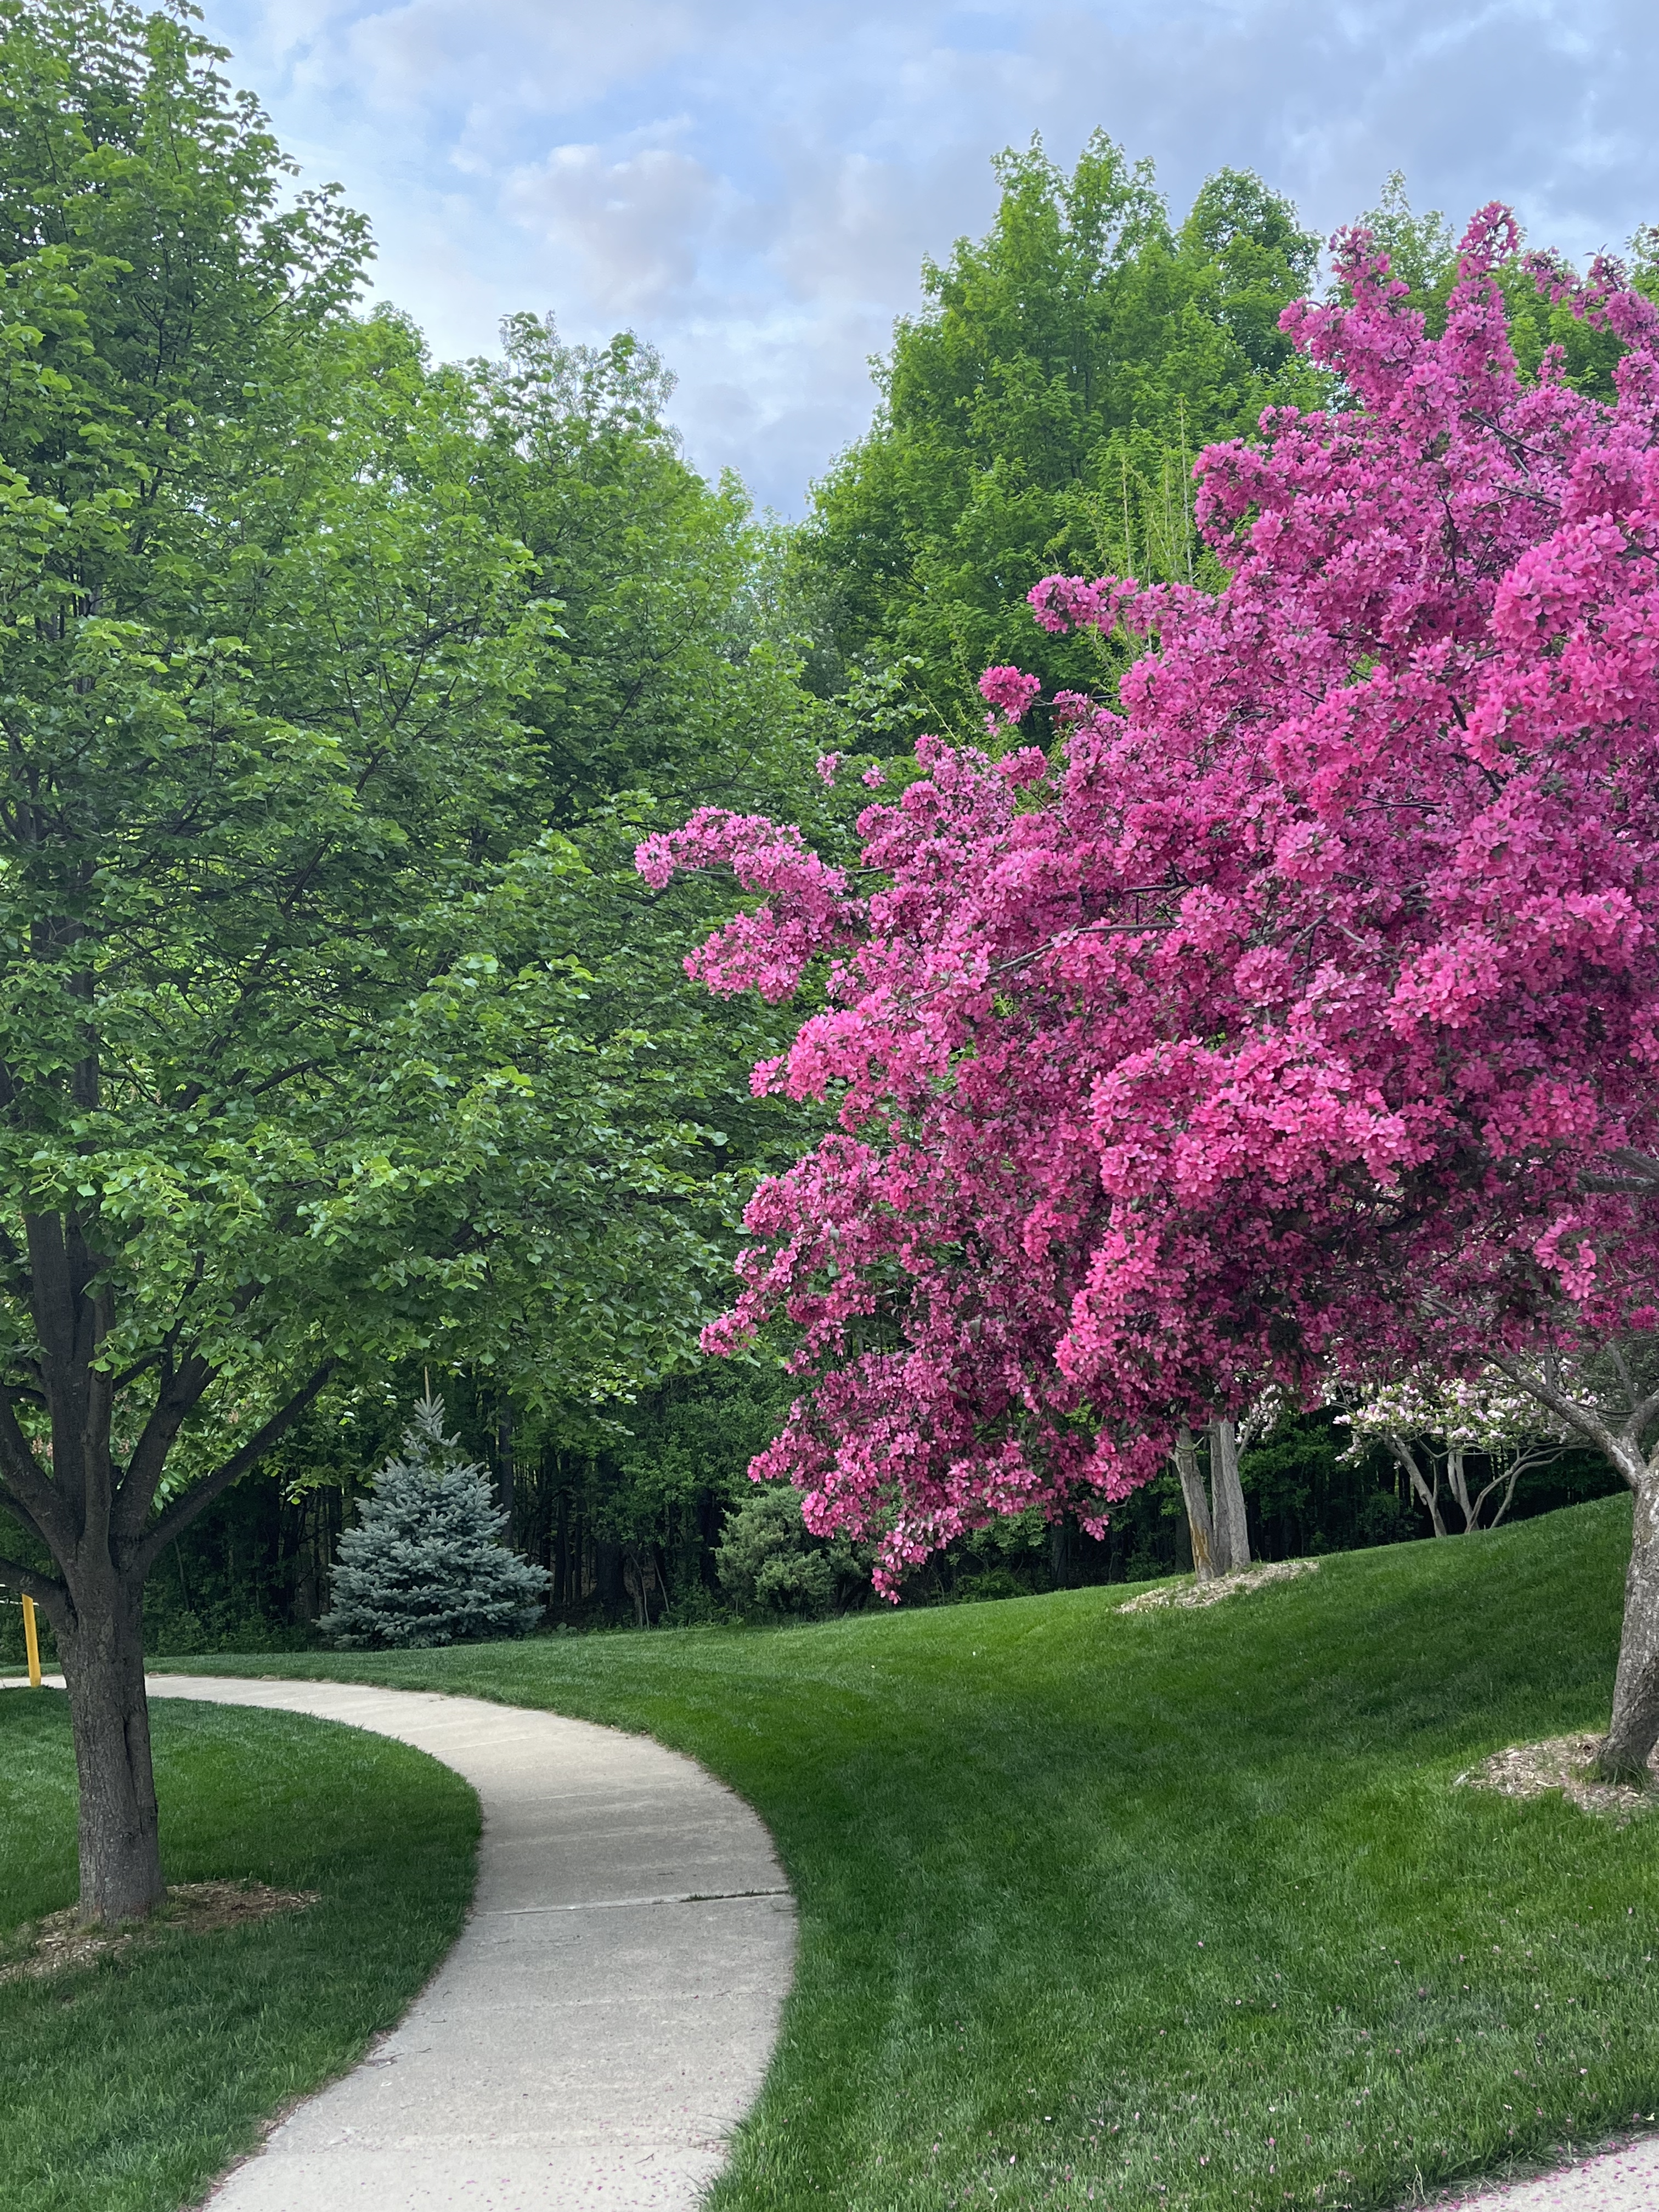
633	230
513	153
494	59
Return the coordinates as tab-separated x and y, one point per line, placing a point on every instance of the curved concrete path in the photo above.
608	2011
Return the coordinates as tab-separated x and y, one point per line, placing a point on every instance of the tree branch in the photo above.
40	1588
1406	1459
1583	1420
1638	1417
183	1510
118	1383
21	1477
14	1505
181	1389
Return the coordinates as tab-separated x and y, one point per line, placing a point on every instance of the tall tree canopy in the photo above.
1043	412
329	1026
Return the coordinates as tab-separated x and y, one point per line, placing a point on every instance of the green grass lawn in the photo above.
1167	1909
127	2084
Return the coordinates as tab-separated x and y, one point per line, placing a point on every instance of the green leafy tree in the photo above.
673	672
299	1072
672	682
425	1563
1043	413
1422	251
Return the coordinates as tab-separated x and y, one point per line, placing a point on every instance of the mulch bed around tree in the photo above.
1192	1593
55	1944
1558	1763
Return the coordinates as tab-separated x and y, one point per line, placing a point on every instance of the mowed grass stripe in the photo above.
1169	1908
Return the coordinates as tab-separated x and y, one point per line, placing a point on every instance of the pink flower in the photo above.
1008	694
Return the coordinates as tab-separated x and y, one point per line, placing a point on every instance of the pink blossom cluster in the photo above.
1010	696
1282	1022
806	911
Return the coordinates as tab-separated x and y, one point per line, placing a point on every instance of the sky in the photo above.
753	187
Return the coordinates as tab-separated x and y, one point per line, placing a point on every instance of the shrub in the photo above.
768	1564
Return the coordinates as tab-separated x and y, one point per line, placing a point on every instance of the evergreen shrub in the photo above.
770	1566
426	1564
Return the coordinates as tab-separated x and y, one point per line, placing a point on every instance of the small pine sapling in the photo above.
426	1564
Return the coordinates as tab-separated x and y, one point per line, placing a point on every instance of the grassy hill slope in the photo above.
1167	1909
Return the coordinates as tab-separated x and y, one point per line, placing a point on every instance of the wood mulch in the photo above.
58	1943
1558	1763
1194	1594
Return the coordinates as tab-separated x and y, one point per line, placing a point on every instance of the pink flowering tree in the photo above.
1297	1014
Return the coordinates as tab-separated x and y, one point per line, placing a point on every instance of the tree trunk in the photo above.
1635	1727
103	1659
506	1484
608	1577
1059	1552
1429	1493
1457	1483
1232	1535
1198	1506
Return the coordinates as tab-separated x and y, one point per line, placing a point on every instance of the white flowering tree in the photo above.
1434	1429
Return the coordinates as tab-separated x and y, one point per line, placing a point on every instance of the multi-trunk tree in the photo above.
1435	1431
1299	1009
1216	1522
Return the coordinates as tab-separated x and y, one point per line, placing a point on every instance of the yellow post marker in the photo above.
32	1643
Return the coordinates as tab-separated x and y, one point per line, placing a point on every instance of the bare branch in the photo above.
1406	1460
1066	937
1583	1420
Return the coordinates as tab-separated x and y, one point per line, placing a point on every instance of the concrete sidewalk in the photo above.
609	2010
1624	2180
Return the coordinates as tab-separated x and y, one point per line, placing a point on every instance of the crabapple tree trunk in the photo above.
1635	1728
1198	1506
1232	1537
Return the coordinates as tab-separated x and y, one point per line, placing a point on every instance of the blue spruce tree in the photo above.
426	1564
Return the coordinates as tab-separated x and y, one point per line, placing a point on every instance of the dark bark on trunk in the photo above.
608	1575
97	1520
506	1484
1635	1727
103	1658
